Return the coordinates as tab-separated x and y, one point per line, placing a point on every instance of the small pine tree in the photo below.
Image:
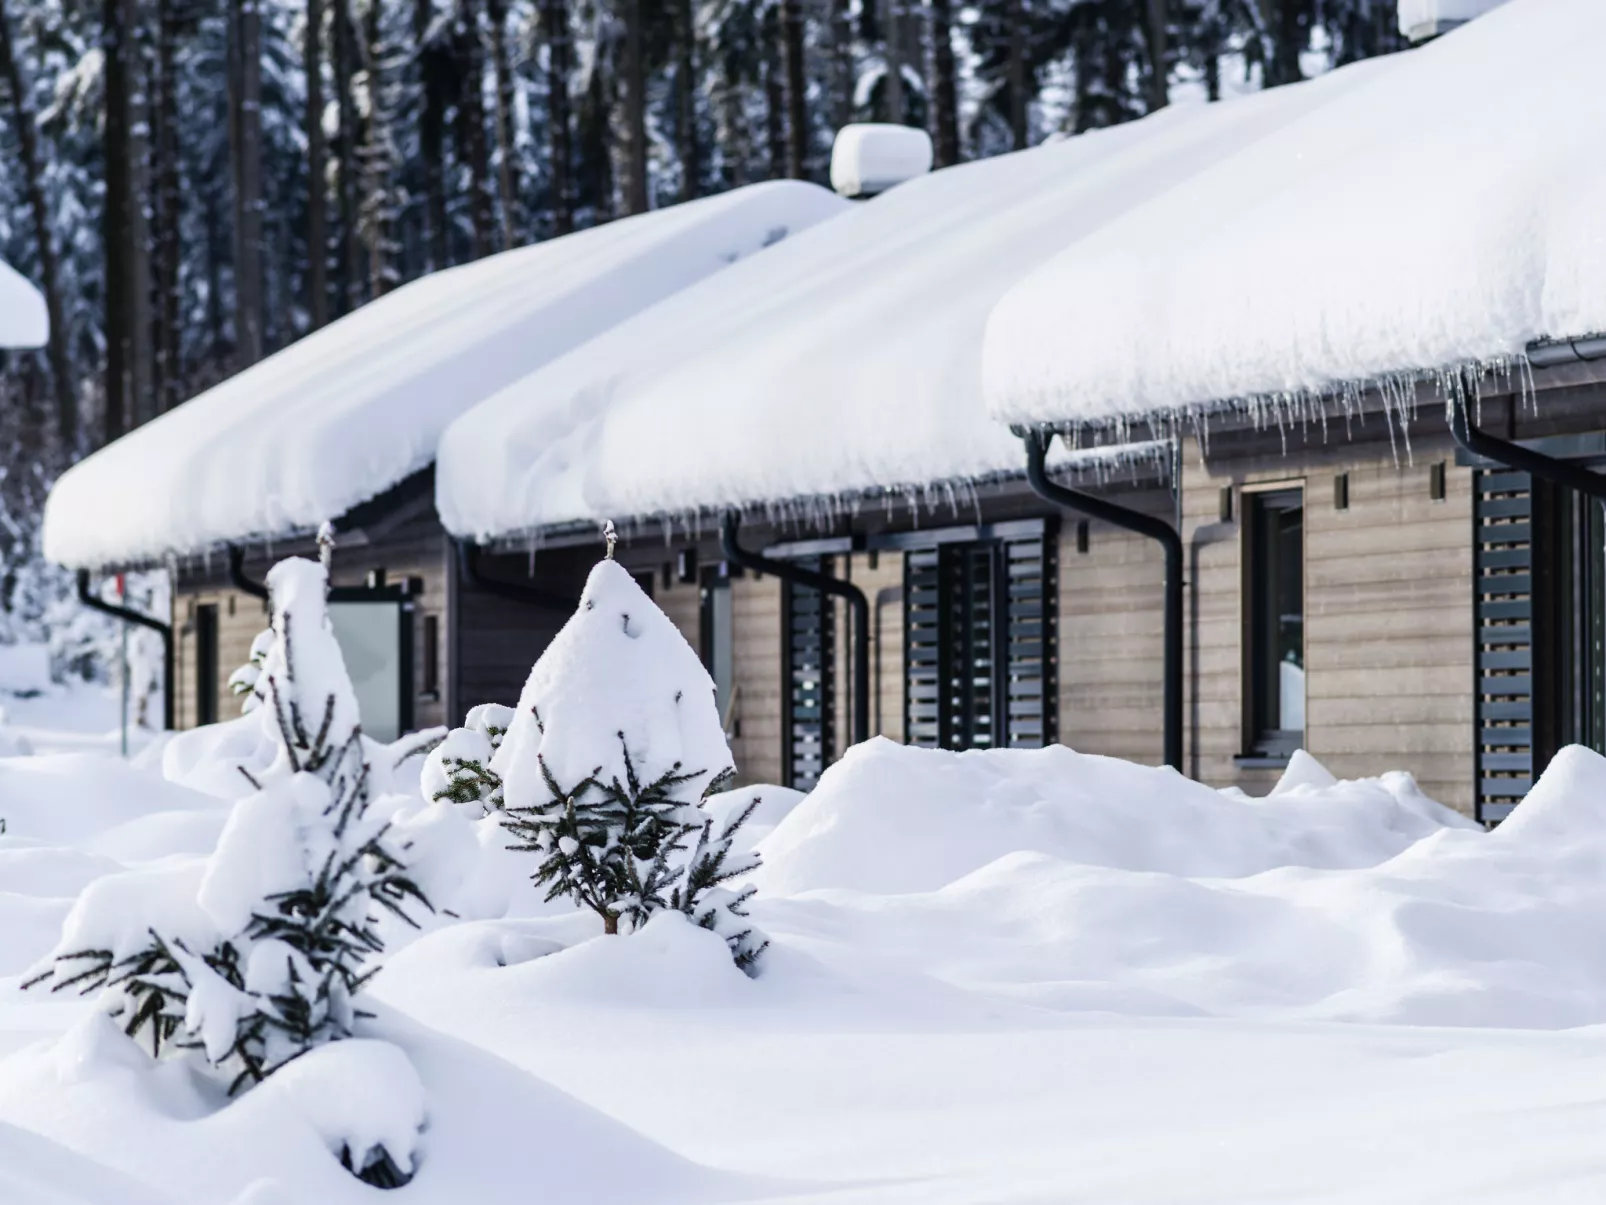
458	770
291	892
615	746
243	681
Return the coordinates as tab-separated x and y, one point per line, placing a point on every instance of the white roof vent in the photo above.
1423	19
871	157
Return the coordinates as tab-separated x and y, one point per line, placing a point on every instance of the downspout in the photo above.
128	615
1143	525
237	577
468	560
808	578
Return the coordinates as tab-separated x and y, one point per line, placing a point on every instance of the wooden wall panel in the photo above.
756	620
1388	616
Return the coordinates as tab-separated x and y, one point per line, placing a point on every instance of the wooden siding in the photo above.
1110	644
1388	616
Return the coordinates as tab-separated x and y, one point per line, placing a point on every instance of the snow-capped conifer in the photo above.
616	742
458	769
260	961
243	681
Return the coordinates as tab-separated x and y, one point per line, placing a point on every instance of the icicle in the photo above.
326	545
610	536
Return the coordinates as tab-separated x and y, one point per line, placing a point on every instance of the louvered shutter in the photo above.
1503	574
810	698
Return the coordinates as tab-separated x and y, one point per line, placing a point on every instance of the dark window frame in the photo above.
1268	580
207	669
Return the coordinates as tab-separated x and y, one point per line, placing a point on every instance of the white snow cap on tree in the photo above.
306	691
618	666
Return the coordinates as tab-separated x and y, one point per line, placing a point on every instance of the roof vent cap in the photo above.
870	157
1424	19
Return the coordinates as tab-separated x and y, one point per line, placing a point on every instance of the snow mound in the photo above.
36	1171
618	674
1566	805
23	319
948	814
1304	771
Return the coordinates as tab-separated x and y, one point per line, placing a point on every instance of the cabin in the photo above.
1284	523
341	428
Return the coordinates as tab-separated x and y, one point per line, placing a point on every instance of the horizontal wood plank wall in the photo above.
239	618
1110	647
1388	616
756	671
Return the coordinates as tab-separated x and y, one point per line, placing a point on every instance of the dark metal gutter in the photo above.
1546	353
1515	456
1144	525
237	577
468	560
800	576
128	615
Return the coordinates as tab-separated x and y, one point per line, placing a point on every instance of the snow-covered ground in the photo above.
1003	977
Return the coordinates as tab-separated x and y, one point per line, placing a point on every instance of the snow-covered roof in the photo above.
846	360
1446	211
23	320
341	416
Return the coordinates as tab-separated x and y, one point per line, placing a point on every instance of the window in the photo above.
718	637
373	627
1274	595
206	671
432	656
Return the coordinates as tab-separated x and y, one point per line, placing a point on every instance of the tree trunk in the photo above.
610	924
892	55
840	88
62	383
471	125
774	100
346	158
797	115
555	19
376	156
317	172
1284	28
1019	131
686	100
1155	27
635	82
246	149
945	101
167	210
506	165
432	65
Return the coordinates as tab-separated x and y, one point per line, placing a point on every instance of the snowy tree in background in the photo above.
261	959
616	743
458	769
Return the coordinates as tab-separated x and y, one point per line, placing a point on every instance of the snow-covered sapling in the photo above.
279	933
458	769
243	681
616	743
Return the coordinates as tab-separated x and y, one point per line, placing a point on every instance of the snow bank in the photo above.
1411	218
23	320
949	814
847	359
344	414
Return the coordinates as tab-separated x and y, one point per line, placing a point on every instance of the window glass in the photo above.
369	634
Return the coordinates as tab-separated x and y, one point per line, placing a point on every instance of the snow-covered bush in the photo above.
615	745
458	769
243	681
259	960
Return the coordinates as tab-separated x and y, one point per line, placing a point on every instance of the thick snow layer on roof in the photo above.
846	360
1446	211
23	321
348	412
